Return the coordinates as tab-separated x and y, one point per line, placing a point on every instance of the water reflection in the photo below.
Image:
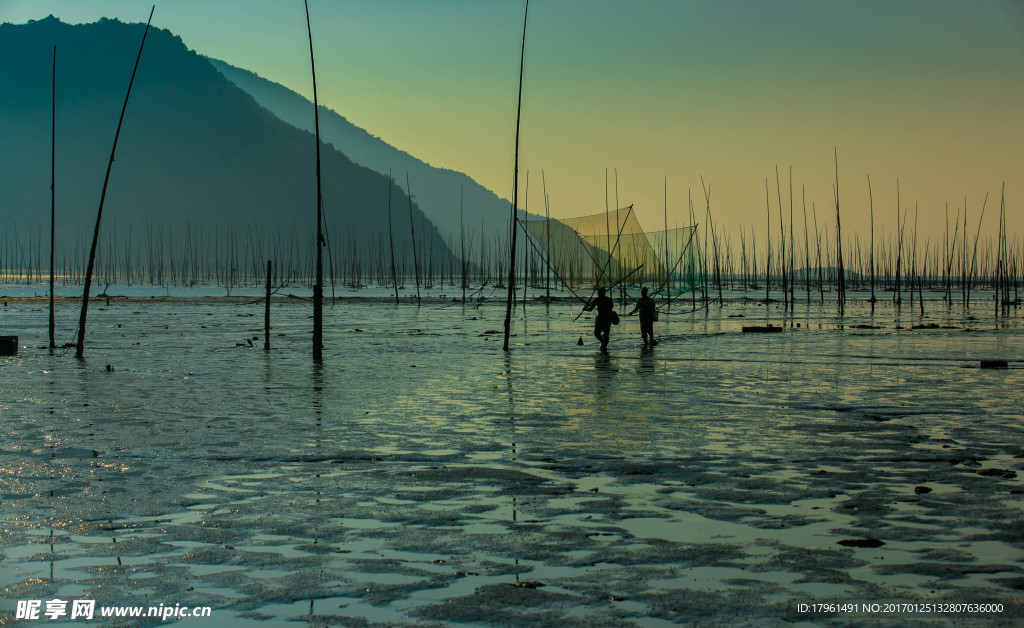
766	436
514	459
603	362
646	366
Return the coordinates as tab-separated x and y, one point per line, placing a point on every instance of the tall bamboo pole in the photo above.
768	254
668	272
871	203
807	246
547	237
791	244
391	237
526	253
80	349
974	255
897	295
782	243
318	288
266	313
839	243
462	237
515	192
945	256
412	231
53	192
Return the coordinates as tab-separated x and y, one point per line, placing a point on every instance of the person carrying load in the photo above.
606	316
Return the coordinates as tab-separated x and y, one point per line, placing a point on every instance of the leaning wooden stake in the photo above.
80	349
318	287
515	191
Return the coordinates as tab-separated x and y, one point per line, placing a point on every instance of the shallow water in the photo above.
421	474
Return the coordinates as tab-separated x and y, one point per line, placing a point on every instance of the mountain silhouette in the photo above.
195	151
436	190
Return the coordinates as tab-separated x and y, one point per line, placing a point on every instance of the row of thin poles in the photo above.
958	262
166	255
896	263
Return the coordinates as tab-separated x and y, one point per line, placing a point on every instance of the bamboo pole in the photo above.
547	236
768	254
974	255
391	238
80	349
412	230
897	296
871	202
807	246
526	230
791	245
515	192
668	272
782	243
462	238
839	244
913	260
718	268
53	193
318	287
266	314
817	244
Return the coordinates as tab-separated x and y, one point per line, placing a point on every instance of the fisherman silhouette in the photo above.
605	316
645	305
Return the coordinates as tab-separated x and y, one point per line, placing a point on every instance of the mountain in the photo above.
436	190
195	151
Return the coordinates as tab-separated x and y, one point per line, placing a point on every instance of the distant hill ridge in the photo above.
194	149
436	190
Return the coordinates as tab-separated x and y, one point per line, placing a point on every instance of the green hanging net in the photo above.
612	249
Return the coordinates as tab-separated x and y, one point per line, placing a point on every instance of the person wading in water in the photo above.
645	305
605	318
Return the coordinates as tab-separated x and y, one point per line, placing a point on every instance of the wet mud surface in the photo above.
421	476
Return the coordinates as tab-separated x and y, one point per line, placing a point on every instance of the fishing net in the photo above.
612	249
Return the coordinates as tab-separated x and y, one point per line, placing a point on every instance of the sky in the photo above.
634	103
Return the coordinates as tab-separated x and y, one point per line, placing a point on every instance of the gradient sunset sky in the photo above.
927	91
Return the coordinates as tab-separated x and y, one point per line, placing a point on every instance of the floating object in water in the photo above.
998	473
580	341
994	364
757	329
921	490
110	368
860	543
8	345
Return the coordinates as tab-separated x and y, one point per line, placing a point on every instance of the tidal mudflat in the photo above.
421	476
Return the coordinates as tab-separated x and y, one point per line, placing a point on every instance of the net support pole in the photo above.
515	192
